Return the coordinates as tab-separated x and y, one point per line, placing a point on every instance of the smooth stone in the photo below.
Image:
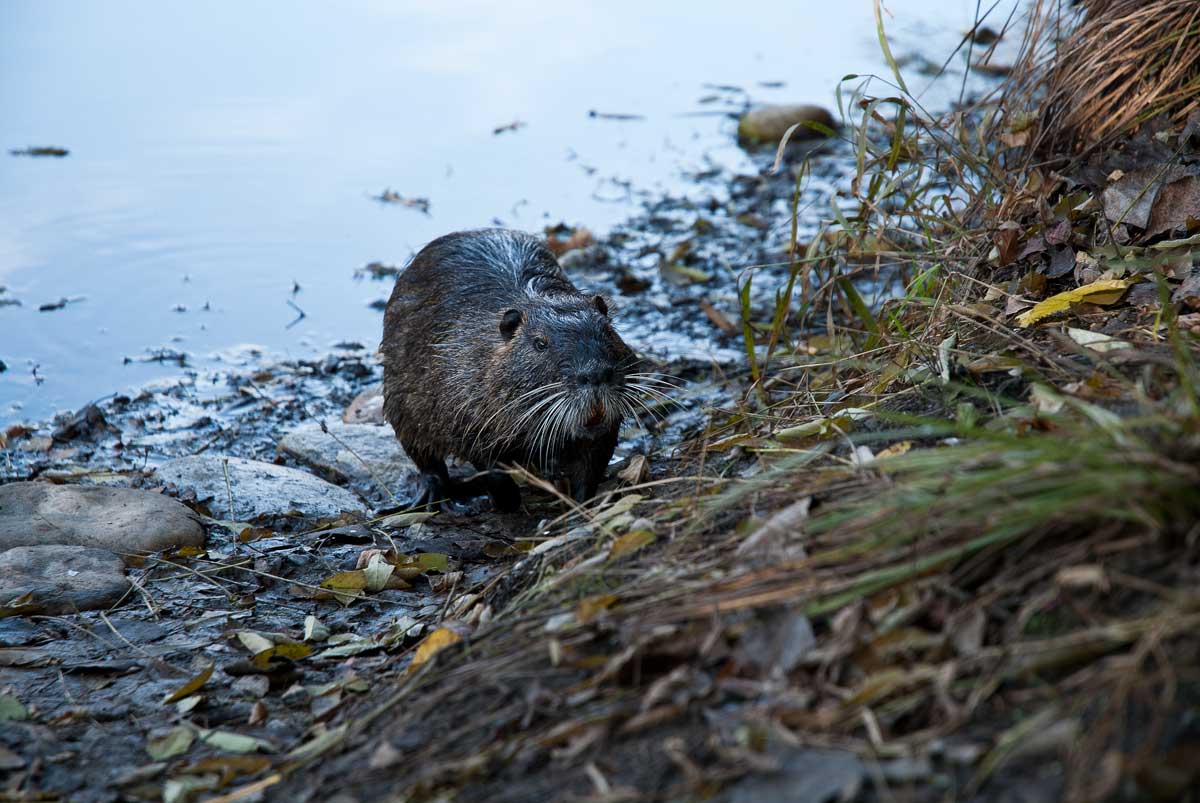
364	455
768	124
258	488
59	579
367	407
126	521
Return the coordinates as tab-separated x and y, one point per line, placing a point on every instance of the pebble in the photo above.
767	124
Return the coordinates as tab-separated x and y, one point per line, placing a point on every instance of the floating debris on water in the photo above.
40	150
389	197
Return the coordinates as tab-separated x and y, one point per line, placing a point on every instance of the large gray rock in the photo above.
258	488
126	521
365	455
56	579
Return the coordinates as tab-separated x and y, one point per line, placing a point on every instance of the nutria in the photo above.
492	356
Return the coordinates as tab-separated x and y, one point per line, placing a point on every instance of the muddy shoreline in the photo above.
91	687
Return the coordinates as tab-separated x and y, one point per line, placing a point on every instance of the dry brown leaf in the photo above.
637	472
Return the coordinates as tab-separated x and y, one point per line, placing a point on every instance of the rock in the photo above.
805	776
258	488
54	579
367	407
122	520
361	454
768	124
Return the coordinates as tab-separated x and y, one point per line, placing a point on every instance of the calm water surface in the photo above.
223	154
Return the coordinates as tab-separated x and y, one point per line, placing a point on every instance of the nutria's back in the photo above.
492	355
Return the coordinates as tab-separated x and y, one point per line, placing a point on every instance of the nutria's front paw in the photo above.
504	493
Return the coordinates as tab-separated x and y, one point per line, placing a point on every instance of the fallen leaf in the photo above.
353	580
637	472
289	651
174	742
258	714
630	542
406	519
348	648
229	767
1189	292
895	450
377	573
590	607
191	686
1103	292
234	742
185	787
1097	341
314	630
11	709
1177	202
717	318
1157	198
432	644
1006	237
254	642
1062	262
1059	234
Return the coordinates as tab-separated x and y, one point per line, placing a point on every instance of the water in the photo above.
222	156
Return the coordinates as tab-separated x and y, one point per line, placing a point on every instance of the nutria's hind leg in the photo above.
435	487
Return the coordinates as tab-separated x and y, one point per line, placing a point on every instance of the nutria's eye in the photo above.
540	343
601	305
510	322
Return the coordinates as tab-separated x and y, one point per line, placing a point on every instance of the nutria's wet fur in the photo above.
492	356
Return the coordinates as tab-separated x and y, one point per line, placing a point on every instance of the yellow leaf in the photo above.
434	643
191	686
1103	292
432	562
346	581
587	609
895	450
630	542
288	650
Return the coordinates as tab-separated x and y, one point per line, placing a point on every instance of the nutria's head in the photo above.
563	368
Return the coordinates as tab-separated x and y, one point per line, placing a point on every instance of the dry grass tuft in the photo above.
1121	63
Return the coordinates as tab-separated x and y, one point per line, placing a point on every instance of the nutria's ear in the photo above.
509	322
601	305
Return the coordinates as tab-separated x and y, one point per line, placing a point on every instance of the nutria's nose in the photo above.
595	374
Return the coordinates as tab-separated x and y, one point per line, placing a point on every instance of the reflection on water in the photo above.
222	159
